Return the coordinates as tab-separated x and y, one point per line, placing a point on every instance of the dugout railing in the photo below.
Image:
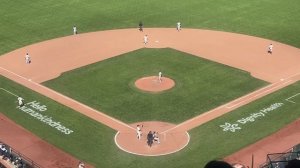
28	163
280	160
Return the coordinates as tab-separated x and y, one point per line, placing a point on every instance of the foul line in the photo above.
259	93
192	119
292	76
212	111
14	73
292	97
9	92
226	105
201	115
255	93
72	100
275	87
271	85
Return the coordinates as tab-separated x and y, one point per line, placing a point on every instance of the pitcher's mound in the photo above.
170	142
152	84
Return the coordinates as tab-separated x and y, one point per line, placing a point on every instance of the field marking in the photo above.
189	120
167	153
292	76
15	74
275	87
259	93
29	79
255	93
72	100
228	107
179	125
85	106
9	92
192	119
292	97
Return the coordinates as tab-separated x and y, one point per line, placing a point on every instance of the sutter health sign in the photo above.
35	109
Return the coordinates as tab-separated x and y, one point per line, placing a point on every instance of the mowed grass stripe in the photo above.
200	85
27	22
93	142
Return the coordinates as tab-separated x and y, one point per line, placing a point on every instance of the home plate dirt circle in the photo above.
152	84
170	142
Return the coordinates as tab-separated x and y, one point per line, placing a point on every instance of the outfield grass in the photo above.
200	85
26	22
93	142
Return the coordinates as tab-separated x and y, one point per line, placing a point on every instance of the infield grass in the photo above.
200	85
27	22
93	142
30	21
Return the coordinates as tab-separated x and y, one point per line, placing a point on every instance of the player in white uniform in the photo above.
81	165
145	39
156	138
178	27
270	49
20	101
138	132
160	77
74	30
27	59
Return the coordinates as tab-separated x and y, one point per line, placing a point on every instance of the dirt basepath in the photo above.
51	58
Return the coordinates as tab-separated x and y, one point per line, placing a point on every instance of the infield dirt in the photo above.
53	57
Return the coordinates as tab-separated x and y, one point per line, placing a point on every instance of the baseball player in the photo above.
138	132
74	30
178	27
27	59
145	39
270	49
160	77
81	165
141	26
156	138
20	101
150	138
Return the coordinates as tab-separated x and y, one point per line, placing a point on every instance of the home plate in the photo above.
156	41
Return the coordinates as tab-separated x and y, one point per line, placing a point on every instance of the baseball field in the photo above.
98	71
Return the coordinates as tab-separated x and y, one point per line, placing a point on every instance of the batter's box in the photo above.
294	99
